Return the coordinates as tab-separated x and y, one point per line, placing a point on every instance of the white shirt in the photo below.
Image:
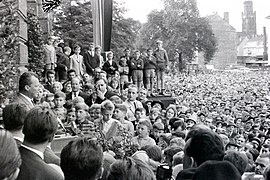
107	125
27	98
39	153
18	138
75	94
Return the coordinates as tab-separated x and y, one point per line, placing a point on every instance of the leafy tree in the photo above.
124	30
35	45
180	27
9	52
74	23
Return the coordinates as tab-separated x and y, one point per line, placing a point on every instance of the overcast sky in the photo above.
138	10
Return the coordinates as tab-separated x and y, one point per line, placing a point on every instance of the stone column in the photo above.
45	19
22	35
97	13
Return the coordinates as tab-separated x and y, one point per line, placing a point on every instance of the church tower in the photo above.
249	19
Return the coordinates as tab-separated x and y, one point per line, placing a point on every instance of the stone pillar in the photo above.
22	35
97	13
45	19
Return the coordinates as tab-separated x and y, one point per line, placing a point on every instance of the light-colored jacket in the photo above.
76	63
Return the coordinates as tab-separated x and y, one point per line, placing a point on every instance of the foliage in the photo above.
180	27
49	5
35	45
124	30
120	144
8	51
73	23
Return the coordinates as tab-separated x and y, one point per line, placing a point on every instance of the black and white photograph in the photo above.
134	90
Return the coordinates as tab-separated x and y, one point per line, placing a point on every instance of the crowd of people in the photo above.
217	128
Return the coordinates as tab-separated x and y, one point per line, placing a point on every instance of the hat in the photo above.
157	102
158	125
213	170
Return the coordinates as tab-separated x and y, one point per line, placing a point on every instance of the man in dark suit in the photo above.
39	128
13	118
90	60
75	85
28	88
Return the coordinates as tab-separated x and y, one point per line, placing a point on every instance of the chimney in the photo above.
226	17
265	54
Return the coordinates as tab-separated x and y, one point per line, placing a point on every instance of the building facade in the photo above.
227	41
249	19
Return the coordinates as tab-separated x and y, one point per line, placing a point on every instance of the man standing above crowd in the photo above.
28	88
127	55
50	55
149	70
162	64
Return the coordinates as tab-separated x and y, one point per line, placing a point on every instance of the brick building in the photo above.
227	41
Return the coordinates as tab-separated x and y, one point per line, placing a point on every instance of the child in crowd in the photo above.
149	70
115	86
154	114
137	66
140	113
120	114
83	122
108	125
95	112
50	100
39	97
57	87
131	103
59	101
70	123
88	88
143	131
110	66
158	129
76	61
124	71
162	64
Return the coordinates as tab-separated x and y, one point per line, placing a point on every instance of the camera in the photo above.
164	172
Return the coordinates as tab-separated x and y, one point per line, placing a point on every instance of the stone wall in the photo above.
227	42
